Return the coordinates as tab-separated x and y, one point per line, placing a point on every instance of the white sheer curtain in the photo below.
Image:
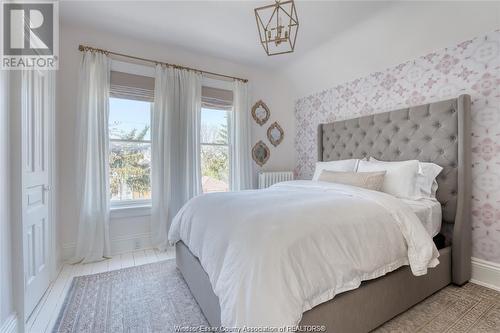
92	182
241	163
175	145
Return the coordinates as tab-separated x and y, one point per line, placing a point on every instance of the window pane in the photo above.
129	119
215	168
130	170
214	126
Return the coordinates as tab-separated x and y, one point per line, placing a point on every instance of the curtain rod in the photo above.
83	48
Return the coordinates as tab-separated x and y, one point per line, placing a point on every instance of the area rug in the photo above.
155	298
142	299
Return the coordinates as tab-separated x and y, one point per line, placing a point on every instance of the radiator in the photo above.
267	179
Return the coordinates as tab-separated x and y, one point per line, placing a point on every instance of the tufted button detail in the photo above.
418	151
396	129
427	138
453	138
379	131
437	124
406	140
452	111
453	192
416	126
356	144
441	151
350	154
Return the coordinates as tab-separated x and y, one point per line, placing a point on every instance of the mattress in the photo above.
429	213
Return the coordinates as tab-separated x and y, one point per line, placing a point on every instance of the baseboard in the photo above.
119	245
486	273
10	324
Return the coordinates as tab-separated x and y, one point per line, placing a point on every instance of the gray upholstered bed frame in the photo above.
438	132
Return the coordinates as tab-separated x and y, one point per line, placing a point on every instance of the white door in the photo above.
36	108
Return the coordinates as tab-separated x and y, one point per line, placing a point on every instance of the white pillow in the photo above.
400	178
339	166
426	180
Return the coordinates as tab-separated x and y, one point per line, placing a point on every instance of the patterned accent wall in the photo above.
471	67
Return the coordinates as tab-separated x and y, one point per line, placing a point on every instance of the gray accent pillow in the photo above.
368	180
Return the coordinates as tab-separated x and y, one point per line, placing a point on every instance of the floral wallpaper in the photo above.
471	67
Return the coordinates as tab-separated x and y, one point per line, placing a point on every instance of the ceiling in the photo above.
224	29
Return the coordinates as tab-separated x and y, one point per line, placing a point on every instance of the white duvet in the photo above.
273	254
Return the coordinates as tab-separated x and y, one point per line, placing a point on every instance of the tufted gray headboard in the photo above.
437	132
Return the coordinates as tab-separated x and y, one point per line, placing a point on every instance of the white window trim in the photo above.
130	68
130	208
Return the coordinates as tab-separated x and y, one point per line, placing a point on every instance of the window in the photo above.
214	150
129	151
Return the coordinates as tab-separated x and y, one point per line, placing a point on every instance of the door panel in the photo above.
36	197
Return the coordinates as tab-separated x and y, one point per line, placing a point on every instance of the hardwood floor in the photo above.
45	314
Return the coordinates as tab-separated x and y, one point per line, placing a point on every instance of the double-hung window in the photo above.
214	150
215	139
130	109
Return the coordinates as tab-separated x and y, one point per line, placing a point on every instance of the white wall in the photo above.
126	231
399	33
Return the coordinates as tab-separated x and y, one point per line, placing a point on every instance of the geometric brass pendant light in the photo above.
278	25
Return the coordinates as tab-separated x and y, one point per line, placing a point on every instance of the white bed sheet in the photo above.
428	212
273	254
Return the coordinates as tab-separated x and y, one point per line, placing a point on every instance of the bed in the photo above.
438	132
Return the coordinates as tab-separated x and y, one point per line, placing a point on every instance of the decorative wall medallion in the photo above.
260	153
260	113
275	134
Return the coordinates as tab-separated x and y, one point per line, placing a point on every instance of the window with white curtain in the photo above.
214	139
130	107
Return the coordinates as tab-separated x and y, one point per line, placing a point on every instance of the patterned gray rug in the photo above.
155	298
147	298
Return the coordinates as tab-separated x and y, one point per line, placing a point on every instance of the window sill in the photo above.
119	212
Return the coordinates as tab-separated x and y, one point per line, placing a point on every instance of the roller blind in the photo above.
215	98
131	86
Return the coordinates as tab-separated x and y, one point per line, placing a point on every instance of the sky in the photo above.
125	115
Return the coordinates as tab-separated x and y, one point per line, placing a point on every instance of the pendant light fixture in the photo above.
278	25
